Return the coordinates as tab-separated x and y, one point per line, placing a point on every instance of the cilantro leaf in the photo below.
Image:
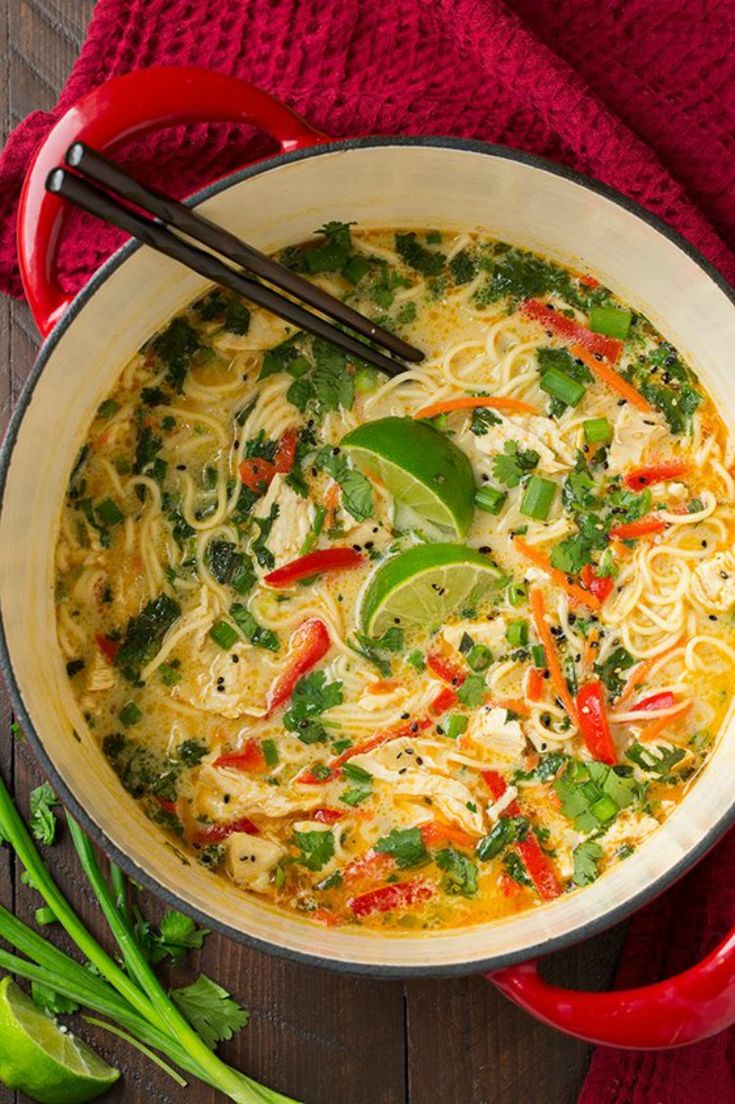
662	764
357	493
460	872
482	417
333	385
210	1010
473	691
373	648
144	634
52	1002
585	857
315	848
512	463
311	696
42	820
406	845
176	346
610	671
428	262
258	546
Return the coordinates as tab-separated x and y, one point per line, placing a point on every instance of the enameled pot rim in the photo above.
606	919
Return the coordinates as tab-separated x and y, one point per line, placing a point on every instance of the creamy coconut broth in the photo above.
465	745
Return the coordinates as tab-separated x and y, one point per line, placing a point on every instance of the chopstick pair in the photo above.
102	188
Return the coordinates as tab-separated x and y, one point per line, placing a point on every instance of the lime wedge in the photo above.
44	1062
424	585
421	468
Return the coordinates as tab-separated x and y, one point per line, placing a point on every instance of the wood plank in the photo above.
468	1044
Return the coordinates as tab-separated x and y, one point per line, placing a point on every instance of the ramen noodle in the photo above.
222	532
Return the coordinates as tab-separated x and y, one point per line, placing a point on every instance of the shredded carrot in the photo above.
383	686
470	402
620	551
538	609
577	594
436	832
331	501
605	372
535	684
641	672
590	647
514	705
655	728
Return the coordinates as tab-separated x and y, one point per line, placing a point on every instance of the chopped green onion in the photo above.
270	752
537	498
222	633
597	431
417	661
479	657
45	915
109	513
517	593
129	714
517	633
465	644
611	321
490	499
108	408
561	386
604	809
538	655
365	380
456	725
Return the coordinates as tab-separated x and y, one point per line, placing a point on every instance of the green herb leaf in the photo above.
43	821
406	845
210	1010
460	872
315	849
585	857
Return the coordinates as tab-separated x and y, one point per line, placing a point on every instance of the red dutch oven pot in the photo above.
383	181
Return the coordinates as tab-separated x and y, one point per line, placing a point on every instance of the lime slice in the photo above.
424	585
44	1062
421	468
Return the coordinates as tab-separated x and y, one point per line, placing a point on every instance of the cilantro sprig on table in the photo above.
184	1026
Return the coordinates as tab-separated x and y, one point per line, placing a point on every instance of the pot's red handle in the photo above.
683	1009
127	105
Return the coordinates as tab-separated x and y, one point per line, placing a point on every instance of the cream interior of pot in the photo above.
380	186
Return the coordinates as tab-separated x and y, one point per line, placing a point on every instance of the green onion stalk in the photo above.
132	998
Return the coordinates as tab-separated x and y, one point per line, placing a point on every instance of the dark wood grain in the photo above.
324	1038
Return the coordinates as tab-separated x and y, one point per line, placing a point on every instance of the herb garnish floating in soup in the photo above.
408	653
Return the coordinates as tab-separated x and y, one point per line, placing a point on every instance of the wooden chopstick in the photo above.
110	176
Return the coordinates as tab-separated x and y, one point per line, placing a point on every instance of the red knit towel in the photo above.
638	93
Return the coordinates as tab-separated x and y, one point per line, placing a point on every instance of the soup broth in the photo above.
407	653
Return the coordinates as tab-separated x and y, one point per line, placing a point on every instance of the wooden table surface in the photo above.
322	1037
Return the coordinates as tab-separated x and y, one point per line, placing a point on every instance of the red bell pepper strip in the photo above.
215	833
648	474
445	669
167	806
443	701
400	895
326	816
601	586
538	866
594	724
256	474
308	644
663	700
571	331
108	647
250	759
314	563
644	527
540	870
374	864
285	454
589	281
435	833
